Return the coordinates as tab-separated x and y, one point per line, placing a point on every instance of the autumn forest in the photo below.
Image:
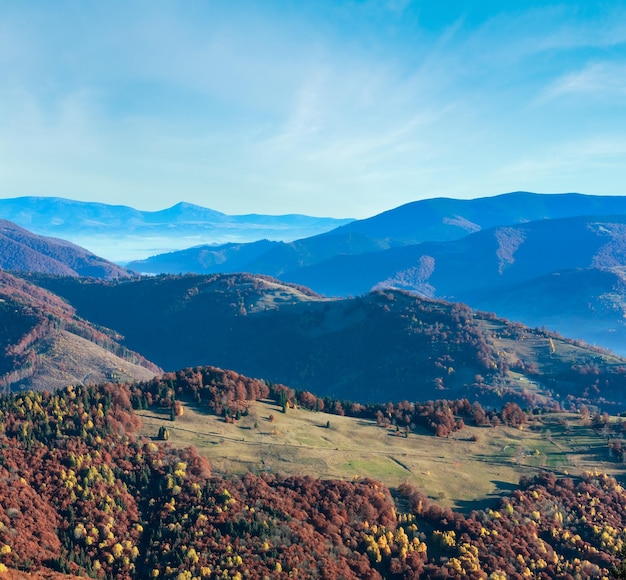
81	493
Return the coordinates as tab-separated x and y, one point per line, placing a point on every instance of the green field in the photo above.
456	471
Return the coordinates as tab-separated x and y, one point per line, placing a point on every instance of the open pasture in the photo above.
467	470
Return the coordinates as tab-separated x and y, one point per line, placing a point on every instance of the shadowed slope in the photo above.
383	346
44	345
22	250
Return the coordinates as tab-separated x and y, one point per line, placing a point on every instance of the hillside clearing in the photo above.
456	471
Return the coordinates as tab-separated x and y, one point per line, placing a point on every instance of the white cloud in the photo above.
244	109
556	167
602	79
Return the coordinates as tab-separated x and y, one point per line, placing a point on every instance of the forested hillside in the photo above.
24	251
43	344
386	345
79	492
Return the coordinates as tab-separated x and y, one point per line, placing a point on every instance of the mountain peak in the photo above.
185	206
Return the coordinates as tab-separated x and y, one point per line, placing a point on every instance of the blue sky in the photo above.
340	108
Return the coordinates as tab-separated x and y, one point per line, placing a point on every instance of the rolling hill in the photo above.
22	250
510	270
44	345
387	345
280	490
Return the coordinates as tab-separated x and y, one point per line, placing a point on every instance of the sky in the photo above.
340	108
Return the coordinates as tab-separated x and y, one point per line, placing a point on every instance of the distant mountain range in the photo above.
477	251
431	220
122	233
45	345
479	264
22	250
443	219
386	345
564	273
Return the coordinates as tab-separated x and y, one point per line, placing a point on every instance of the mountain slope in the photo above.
24	251
382	346
507	270
269	258
81	492
205	259
483	262
44	345
443	219
123	233
431	220
584	303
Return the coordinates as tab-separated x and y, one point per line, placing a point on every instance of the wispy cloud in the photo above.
555	167
308	106
604	80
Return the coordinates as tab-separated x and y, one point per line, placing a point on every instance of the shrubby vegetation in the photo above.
441	416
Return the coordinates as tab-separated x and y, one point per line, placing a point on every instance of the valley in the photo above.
122	233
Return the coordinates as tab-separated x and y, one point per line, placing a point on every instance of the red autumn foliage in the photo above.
80	493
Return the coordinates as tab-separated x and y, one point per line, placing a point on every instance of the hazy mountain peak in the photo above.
184	208
123	233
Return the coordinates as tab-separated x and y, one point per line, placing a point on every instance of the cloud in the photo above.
605	80
397	5
556	27
556	167
308	106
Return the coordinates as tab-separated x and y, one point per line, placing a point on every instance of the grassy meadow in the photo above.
467	470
